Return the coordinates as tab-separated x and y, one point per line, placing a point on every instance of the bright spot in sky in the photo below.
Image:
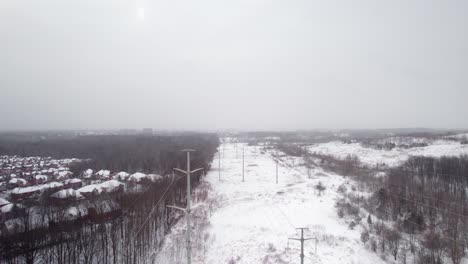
141	13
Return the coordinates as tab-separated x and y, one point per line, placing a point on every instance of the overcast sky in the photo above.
242	64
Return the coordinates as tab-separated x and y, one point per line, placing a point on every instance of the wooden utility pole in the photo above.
187	209
302	240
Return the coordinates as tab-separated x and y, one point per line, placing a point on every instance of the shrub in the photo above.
340	213
365	236
373	245
369	220
320	188
342	188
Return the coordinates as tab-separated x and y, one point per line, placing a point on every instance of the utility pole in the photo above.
243	164
187	209
219	164
277	172
237	153
302	240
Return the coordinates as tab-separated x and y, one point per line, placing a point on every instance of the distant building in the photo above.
147	131
128	132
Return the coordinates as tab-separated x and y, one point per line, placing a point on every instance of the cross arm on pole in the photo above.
176	207
179	170
188	150
199	169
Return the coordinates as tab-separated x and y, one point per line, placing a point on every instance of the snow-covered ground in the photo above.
251	221
391	158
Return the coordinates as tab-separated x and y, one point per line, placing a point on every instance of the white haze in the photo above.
245	64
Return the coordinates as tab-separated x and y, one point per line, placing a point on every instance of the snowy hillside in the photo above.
391	158
250	222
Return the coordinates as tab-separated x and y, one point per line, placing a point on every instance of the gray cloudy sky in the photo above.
243	64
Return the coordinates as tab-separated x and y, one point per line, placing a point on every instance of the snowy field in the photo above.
250	222
391	158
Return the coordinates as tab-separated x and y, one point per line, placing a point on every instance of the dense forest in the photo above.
132	225
151	154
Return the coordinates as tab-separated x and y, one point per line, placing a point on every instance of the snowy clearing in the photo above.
251	221
391	158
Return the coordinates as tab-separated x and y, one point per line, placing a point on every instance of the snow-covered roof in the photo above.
29	189
51	185
111	185
107	186
64	173
90	189
3	202
18	181
154	177
122	176
104	173
41	177
67	194
7	208
137	177
74	180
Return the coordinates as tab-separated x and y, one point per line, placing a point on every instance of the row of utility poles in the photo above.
301	239
243	166
187	210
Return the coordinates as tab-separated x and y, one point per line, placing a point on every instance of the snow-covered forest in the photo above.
120	220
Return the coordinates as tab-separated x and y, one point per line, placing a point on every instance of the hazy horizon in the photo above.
243	65
230	130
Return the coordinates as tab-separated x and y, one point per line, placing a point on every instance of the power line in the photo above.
152	209
139	196
143	193
291	224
